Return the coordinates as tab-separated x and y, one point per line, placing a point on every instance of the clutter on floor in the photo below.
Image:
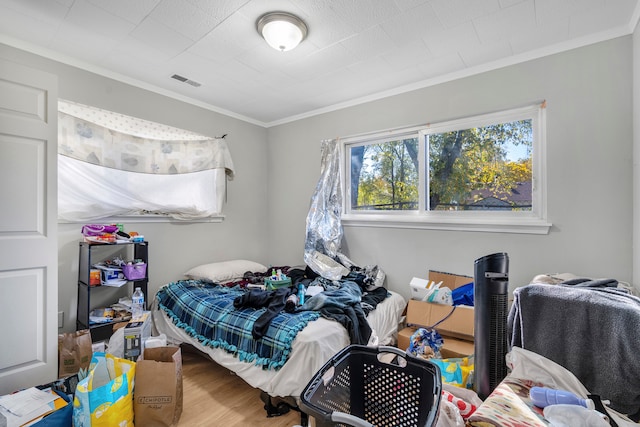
96	383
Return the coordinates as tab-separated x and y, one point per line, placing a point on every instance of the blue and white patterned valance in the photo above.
112	165
127	143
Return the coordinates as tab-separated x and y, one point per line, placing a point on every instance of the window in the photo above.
483	173
112	166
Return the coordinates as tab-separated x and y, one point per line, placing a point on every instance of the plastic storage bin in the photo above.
364	386
135	271
275	284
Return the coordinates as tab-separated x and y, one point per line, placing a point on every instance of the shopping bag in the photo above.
105	397
74	352
158	392
457	371
61	417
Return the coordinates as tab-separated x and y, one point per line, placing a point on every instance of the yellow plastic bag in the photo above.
105	397
456	371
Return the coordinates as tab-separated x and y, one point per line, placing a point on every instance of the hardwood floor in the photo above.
213	396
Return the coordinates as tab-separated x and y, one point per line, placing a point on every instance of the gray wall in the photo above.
173	247
589	161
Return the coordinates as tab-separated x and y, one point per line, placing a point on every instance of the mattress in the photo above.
311	349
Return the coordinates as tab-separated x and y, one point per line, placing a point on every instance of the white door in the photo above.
28	227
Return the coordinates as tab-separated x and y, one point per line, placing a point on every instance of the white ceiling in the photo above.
356	50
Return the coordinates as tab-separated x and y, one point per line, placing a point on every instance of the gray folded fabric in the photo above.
591	283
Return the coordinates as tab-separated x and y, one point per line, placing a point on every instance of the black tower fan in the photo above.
491	289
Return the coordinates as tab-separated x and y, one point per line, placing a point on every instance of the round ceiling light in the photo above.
282	31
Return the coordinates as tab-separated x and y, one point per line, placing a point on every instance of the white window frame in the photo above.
528	222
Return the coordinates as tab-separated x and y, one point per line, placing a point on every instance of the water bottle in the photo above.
137	304
543	397
301	292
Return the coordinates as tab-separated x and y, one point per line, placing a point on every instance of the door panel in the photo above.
16	286
21	163
28	227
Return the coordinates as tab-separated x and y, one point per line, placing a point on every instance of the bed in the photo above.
289	371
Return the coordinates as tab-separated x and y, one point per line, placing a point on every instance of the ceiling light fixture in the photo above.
283	31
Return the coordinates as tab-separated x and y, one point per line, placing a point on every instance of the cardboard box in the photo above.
110	275
94	277
452	347
449	280
424	314
458	322
403	337
457	328
135	334
452	281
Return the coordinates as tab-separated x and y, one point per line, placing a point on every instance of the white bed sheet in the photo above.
312	348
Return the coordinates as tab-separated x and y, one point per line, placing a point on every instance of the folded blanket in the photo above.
594	332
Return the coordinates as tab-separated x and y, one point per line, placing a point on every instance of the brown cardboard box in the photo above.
452	347
449	280
424	314
403	337
457	329
458	324
452	281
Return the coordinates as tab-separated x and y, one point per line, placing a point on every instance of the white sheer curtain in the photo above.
115	165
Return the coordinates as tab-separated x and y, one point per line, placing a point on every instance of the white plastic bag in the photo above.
527	365
325	266
159	341
438	295
116	343
573	416
449	415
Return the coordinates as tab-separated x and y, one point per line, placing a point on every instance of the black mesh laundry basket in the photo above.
366	386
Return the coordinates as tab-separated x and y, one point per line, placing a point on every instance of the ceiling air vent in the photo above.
186	80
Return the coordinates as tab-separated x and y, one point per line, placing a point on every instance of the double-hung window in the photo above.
480	173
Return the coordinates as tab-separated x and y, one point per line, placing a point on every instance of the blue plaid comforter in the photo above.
206	312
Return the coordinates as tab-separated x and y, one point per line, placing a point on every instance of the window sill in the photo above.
137	219
455	222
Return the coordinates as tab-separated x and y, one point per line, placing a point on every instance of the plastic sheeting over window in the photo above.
324	228
115	165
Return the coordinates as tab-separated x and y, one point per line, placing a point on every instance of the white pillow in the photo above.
224	271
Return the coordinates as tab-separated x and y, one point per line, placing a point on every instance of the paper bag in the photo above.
105	397
74	352
158	391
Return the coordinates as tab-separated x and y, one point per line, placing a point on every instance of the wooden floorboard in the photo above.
213	396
